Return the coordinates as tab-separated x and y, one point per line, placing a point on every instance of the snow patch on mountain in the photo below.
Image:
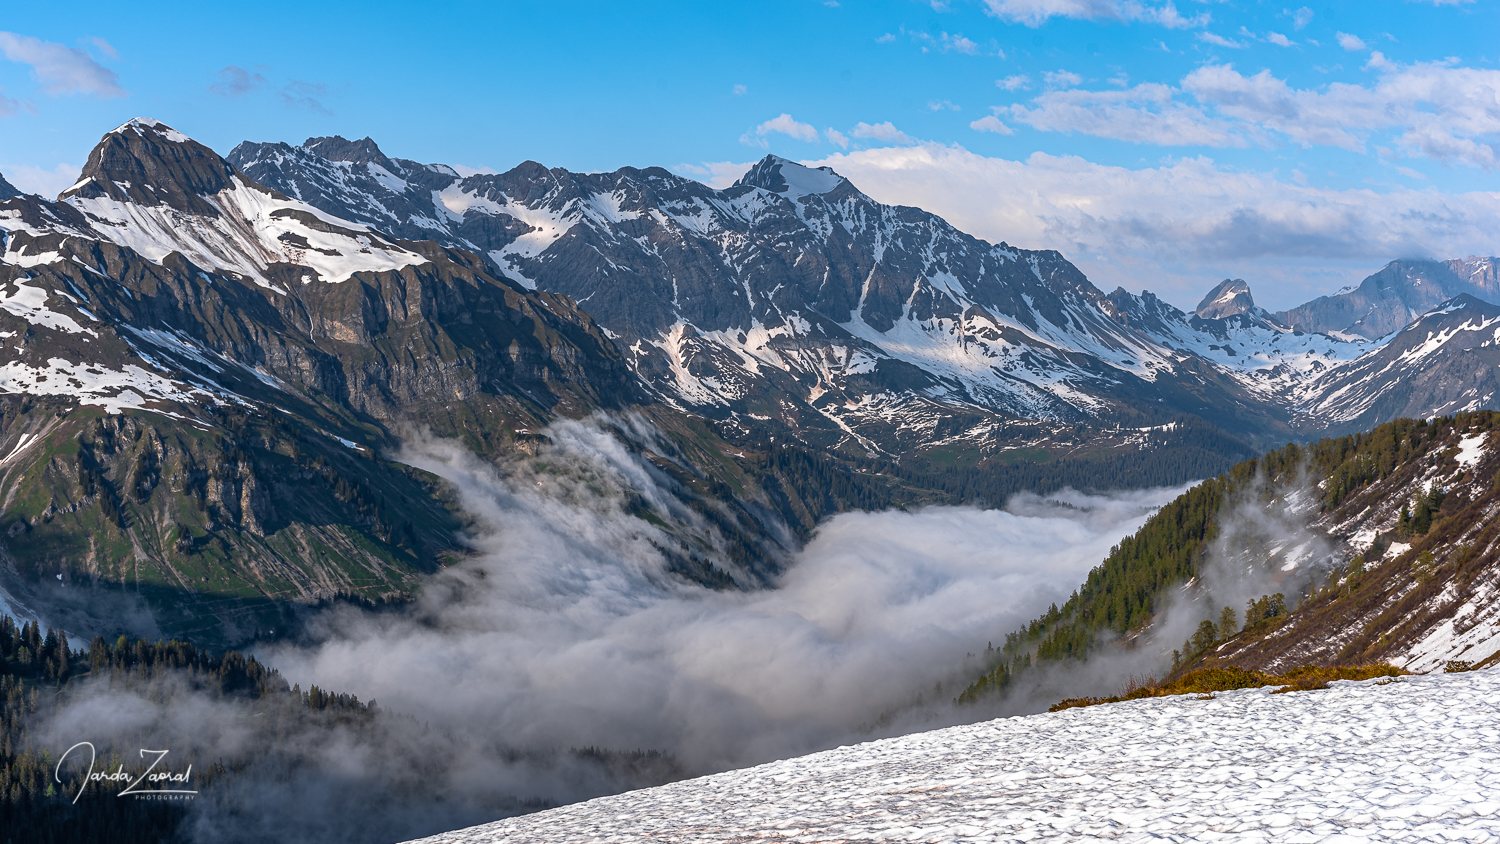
92	384
253	231
30	303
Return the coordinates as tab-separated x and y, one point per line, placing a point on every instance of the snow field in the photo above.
1413	760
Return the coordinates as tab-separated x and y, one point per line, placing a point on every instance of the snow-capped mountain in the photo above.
1230	297
793	296
1443	362
1390	299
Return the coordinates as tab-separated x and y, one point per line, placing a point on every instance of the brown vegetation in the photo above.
1205	681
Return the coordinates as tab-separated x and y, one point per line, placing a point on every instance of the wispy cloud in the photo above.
1147	113
1219	41
886	132
235	81
1350	42
783	124
1036	12
1019	82
1061	79
40	180
102	46
991	123
715	174
10	107
837	138
61	69
1300	18
305	95
1436	110
1279	40
740	90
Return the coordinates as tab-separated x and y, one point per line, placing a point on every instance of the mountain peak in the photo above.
147	162
1228	298
7	190
151	126
362	151
778	175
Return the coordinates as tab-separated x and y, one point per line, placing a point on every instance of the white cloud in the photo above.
991	124
716	174
1036	12
885	39
1061	79
1436	110
1019	82
960	44
941	105
60	69
882	132
38	180
836	137
1301	18
1442	112
1219	41
783	124
740	90
1279	40
1146	113
1350	42
1177	227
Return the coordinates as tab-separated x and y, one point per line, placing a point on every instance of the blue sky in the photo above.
1159	146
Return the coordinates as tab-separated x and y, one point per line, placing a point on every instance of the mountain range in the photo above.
207	364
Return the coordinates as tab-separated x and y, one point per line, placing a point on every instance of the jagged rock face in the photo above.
1390	299
7	190
1230	297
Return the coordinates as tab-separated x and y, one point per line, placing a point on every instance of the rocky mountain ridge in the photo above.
792	296
203	381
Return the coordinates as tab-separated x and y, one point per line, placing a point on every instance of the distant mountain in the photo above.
792	296
1230	297
1446	361
1391	298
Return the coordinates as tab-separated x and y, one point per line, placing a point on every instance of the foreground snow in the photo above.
1414	760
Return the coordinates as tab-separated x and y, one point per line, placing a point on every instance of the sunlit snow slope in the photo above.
1413	760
